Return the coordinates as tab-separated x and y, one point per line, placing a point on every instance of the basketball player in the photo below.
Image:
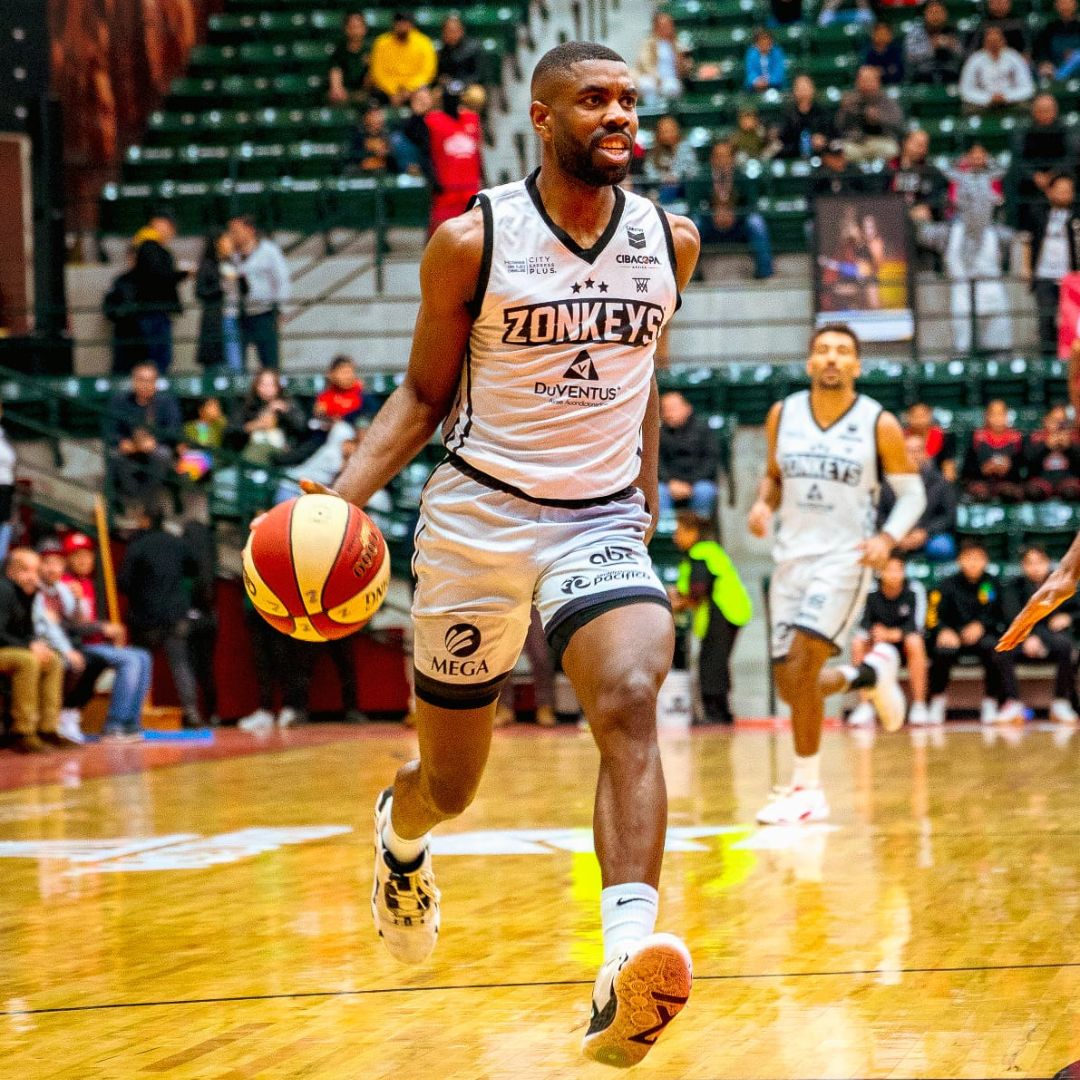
827	447
1050	595
539	316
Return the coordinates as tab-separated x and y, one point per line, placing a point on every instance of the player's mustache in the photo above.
607	133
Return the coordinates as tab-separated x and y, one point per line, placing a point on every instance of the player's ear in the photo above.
540	115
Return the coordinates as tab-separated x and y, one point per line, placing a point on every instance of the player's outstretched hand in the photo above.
757	521
1053	592
312	487
876	551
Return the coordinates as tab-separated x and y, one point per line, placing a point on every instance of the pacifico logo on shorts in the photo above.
460	641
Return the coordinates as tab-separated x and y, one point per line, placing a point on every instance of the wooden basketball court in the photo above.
203	912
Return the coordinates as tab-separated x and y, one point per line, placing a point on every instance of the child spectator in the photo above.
207	430
370	151
885	54
1053	459
454	149
766	64
750	139
993	462
343	398
349	62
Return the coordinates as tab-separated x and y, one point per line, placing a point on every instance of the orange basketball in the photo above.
316	568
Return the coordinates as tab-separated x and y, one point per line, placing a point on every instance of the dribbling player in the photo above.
826	447
540	311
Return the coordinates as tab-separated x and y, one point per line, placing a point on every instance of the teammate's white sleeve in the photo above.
910	504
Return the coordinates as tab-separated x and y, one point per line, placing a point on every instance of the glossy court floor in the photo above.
204	912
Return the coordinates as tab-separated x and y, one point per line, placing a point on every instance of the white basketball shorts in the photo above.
484	555
822	595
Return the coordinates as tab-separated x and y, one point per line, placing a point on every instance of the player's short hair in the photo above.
702	525
898	555
1033	549
340	361
569	52
835	328
353	13
972	543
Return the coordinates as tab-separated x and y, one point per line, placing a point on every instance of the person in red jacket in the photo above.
455	138
994	460
343	397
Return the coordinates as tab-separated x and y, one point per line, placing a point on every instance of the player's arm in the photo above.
768	493
1054	591
404	425
907	485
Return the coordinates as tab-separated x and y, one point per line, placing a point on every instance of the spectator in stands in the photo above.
710	587
1052	458
152	576
750	140
266	423
994	460
663	62
410	139
670	162
1052	638
869	121
895	613
142	428
1041	151
729	218
765	63
995	76
217	288
460	61
963	618
402	60
323	465
454	143
207	430
807	126
37	672
155	278
280	661
999	15
932	536
923	185
121	308
689	458
834	175
343	396
939	446
264	288
371	146
202	614
835	11
8	462
885	54
348	75
933	52
1054	252
1057	47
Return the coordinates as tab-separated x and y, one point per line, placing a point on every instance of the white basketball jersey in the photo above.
828	494
560	359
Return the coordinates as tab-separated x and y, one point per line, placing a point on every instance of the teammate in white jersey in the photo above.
534	346
826	446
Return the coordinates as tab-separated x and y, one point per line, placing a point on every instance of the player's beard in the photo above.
577	160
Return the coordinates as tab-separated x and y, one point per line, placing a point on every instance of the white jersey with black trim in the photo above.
829	478
560	359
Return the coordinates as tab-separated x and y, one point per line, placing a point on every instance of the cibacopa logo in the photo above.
462	639
635	236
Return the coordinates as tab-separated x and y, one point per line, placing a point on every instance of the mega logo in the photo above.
621	322
461	640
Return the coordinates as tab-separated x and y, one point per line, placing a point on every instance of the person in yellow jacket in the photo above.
709	585
402	60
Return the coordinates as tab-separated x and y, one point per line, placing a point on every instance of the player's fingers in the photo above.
313	487
1017	631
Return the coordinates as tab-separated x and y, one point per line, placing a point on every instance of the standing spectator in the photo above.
885	54
202	615
455	138
869	121
1054	252
280	661
155	278
217	287
343	397
663	62
1053	459
689	458
964	618
895	612
670	162
266	424
371	146
1057	48
1040	152
995	76
152	576
264	288
766	64
750	140
402	60
710	587
37	672
727	220
923	185
938	445
121	308
142	428
1052	638
933	52
348	74
7	490
807	126
999	16
460	61
993	463
932	536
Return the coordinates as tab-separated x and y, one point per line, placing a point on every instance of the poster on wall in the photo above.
863	265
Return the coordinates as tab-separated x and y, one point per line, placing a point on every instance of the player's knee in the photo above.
626	705
450	796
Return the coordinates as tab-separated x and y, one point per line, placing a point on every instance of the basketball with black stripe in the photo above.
316	568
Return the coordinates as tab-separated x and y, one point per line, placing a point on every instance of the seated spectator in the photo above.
1057	47
37	672
343	397
1041	151
999	15
995	76
750	141
807	126
663	62
993	462
670	162
938	445
766	64
689	458
460	59
402	60
325	463
869	121
142	428
885	54
933	52
835	12
411	140
895	613
348	77
370	151
964	618
207	430
1052	638
266	424
1054	252
834	175
454	145
923	185
730	219
1053	459
785	12
932	537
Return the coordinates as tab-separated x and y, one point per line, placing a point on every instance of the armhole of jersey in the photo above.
477	301
670	241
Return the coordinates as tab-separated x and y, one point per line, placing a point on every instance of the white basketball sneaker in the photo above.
636	995
918	714
862	715
404	897
794	806
1062	712
939	707
260	722
886	694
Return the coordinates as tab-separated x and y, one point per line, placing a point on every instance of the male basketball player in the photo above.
827	447
540	311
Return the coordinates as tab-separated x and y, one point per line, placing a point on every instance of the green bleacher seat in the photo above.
299	205
1051	525
993	526
941	382
1014	380
885	381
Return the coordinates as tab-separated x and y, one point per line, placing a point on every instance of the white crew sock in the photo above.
807	771
405	851
627	914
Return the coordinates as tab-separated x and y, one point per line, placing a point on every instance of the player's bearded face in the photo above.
587	160
834	362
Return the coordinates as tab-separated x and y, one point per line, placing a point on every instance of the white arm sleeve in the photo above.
910	504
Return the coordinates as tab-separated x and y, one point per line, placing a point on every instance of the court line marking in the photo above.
305	994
